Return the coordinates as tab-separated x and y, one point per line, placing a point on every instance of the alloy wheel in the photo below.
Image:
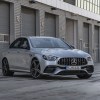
35	69
5	68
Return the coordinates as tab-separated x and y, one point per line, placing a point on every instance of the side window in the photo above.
21	43
24	44
16	44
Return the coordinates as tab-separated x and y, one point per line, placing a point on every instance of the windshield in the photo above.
48	43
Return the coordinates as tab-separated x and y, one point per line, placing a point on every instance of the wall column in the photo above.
42	22
80	35
17	18
62	26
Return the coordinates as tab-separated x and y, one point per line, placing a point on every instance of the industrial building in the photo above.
76	21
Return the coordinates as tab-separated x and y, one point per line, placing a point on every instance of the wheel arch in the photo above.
39	58
34	59
3	59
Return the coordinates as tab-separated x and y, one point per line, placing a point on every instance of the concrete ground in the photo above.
22	87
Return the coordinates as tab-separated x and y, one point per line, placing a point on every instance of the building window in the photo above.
70	1
90	5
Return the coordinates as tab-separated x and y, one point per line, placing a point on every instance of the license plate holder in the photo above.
73	67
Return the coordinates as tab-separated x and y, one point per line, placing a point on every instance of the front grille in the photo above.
72	61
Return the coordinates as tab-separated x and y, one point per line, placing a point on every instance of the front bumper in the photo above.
56	70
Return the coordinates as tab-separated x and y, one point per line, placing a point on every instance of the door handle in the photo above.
30	55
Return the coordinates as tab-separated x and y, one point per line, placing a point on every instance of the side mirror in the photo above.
28	48
72	47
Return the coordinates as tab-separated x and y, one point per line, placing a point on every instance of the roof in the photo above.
36	37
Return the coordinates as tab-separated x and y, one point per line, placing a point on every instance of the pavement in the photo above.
22	87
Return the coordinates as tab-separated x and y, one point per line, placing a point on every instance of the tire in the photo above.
35	69
5	68
85	76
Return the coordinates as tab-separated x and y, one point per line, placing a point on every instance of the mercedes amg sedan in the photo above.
46	56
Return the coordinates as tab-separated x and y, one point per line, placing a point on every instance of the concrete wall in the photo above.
70	8
62	14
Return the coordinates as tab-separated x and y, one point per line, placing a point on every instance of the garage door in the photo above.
4	22
70	31
28	22
96	43
86	37
50	25
4	26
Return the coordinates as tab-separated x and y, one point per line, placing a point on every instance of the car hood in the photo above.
60	52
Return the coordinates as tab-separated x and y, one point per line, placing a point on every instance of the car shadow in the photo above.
59	78
29	77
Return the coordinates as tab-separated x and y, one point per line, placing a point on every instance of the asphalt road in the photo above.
22	87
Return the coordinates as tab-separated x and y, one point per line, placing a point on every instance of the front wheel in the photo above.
35	69
85	76
5	68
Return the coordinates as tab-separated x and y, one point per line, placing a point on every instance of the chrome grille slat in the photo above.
68	61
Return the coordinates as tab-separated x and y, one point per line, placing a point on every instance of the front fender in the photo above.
41	61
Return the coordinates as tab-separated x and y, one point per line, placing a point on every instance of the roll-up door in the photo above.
50	25
4	22
28	22
4	26
96	43
70	31
86	37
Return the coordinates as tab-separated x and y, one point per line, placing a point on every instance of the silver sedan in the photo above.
46	56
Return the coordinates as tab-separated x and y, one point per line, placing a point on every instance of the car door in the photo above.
13	57
19	56
24	55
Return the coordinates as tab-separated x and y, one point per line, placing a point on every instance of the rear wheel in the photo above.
5	68
35	69
85	76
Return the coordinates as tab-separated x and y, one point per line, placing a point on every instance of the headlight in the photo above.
89	58
49	57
